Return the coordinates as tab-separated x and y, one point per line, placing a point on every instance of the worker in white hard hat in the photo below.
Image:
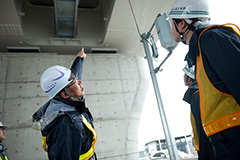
186	16
65	122
3	149
191	96
215	51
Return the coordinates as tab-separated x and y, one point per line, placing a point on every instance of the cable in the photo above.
158	68
151	37
135	20
134	17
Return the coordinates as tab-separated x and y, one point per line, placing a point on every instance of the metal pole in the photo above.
172	149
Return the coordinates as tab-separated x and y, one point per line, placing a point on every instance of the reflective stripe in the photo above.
219	110
91	151
87	155
44	145
4	157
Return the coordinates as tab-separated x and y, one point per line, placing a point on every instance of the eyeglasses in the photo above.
3	129
73	81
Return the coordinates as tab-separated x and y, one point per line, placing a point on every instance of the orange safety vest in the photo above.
91	151
219	111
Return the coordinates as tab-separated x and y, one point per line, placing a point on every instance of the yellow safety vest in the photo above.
195	136
219	111
91	151
4	157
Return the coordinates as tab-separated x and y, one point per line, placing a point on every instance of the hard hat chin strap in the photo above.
73	98
180	33
190	26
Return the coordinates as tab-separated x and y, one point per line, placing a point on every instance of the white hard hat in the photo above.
185	9
3	126
54	79
189	71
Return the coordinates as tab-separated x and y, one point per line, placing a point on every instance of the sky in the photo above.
171	84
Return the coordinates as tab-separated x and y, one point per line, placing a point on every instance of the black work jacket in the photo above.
3	152
66	135
221	54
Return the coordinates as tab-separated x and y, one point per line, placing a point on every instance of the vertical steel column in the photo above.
172	148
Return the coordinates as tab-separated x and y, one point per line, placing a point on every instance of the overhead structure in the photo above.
66	18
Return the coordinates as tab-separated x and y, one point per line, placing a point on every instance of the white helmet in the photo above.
3	126
186	9
54	79
183	9
189	71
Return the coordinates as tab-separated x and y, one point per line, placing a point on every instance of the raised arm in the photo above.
77	65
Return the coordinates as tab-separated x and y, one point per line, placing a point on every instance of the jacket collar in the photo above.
54	108
79	105
3	149
193	46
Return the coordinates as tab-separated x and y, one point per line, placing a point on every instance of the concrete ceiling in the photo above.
108	25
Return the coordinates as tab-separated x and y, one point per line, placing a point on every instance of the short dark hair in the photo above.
187	78
58	95
177	20
191	27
